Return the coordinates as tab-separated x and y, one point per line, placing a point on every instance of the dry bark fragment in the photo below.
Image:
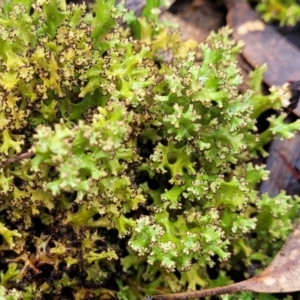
202	14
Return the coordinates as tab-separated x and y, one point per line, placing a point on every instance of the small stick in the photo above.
228	289
17	158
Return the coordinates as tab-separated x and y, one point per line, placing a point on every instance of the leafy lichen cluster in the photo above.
138	156
286	12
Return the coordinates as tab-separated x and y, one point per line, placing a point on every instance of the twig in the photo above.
17	158
228	289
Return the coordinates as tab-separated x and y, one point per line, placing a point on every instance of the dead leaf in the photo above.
203	14
281	276
280	177
187	30
263	44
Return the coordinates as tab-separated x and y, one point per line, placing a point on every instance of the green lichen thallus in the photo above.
281	276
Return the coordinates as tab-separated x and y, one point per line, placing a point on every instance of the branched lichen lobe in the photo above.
117	165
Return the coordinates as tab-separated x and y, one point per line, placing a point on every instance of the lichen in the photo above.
124	173
286	12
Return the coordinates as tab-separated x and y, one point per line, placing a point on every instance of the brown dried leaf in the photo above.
187	30
263	44
281	177
281	276
202	14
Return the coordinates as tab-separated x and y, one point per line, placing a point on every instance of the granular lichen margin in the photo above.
136	166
